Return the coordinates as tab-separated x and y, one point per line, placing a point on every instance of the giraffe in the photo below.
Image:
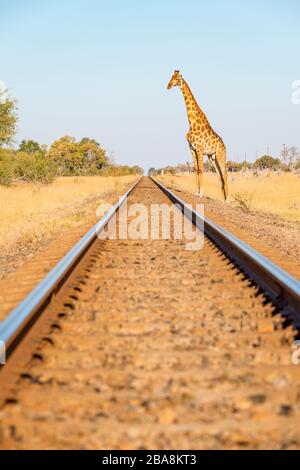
202	139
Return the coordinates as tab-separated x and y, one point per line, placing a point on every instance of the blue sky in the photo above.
100	69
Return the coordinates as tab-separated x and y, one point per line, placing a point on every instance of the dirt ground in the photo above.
261	229
34	215
277	194
152	346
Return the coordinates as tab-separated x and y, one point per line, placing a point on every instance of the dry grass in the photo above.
31	212
276	194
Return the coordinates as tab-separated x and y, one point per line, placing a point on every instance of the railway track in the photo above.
144	344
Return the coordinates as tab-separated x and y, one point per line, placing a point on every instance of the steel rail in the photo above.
14	327
280	286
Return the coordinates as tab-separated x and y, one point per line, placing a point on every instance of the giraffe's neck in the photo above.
192	107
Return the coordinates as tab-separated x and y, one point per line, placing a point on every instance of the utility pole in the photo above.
285	154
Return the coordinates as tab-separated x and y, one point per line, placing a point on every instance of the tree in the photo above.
246	165
169	169
78	158
93	153
289	155
30	146
233	166
63	147
207	166
137	170
8	119
294	154
65	153
266	161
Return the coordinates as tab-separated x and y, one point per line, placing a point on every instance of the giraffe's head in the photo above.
175	79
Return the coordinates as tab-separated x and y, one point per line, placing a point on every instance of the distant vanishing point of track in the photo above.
142	344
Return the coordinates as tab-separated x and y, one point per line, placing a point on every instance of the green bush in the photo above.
34	168
85	157
31	163
6	168
22	166
120	170
30	146
266	161
8	119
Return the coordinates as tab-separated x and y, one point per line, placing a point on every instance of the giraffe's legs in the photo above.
198	164
199	157
219	162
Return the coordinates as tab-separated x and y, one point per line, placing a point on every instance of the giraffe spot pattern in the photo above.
202	137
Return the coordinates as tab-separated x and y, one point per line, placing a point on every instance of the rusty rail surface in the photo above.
13	328
280	286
